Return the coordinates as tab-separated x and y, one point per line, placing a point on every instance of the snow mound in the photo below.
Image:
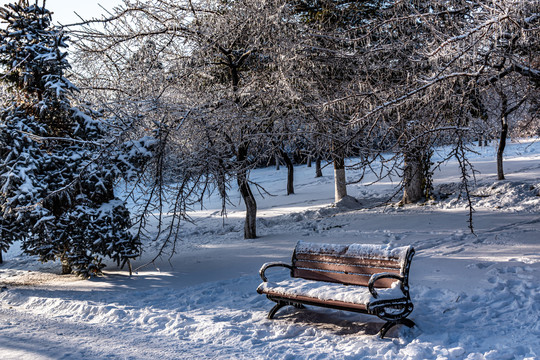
348	203
506	196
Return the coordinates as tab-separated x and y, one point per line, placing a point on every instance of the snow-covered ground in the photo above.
476	296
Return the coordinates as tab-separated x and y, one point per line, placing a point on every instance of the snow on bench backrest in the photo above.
349	264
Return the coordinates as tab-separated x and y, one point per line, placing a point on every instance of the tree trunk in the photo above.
66	267
290	172
309	161
504	134
130	268
1	260
318	170
339	178
277	163
250	225
502	145
413	179
505	111
222	186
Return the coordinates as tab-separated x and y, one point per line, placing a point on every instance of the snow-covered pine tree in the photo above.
56	184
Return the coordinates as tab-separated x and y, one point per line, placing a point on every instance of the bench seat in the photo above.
322	292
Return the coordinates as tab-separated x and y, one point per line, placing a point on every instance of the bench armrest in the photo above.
269	265
376	277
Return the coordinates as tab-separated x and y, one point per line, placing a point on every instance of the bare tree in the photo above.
215	60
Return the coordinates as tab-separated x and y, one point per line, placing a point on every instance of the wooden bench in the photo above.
371	279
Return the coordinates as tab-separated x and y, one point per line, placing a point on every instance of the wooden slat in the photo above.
343	268
357	254
386	263
352	279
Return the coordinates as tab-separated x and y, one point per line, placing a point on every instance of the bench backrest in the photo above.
350	264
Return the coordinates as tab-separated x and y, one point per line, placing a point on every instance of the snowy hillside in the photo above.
476	296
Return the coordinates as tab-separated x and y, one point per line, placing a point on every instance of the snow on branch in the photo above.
437	130
400	99
467	34
63	139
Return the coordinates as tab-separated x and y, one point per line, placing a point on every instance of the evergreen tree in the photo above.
56	186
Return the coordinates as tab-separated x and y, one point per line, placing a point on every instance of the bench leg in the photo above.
407	322
281	304
391	324
278	306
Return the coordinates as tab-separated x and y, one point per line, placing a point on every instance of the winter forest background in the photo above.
115	131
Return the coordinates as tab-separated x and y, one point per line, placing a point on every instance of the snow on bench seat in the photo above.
358	295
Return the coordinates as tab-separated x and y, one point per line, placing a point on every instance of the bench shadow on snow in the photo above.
336	322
